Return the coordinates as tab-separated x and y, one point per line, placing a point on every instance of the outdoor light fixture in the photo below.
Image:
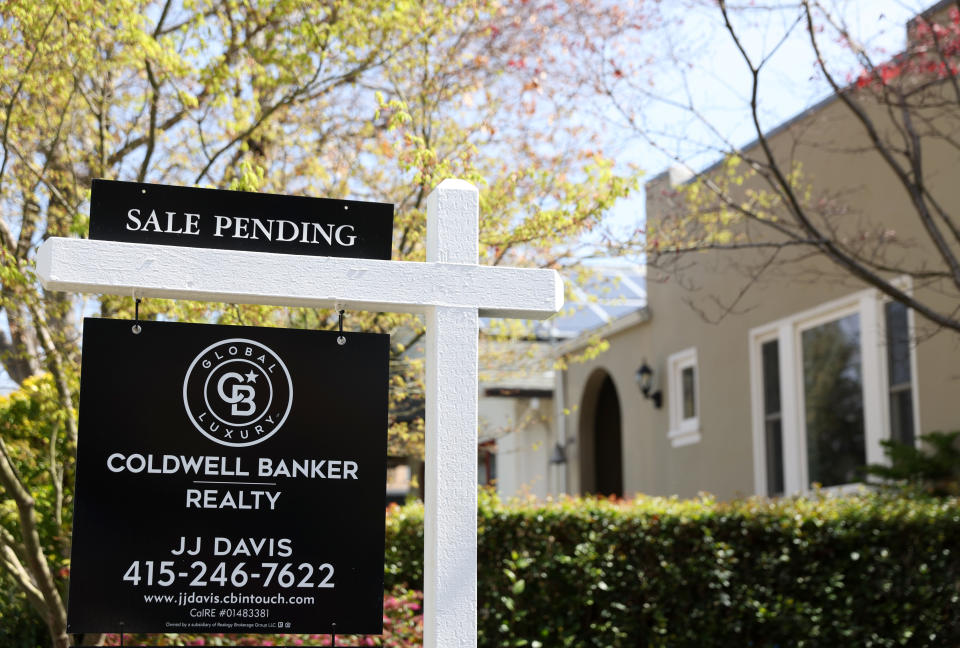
559	455
645	380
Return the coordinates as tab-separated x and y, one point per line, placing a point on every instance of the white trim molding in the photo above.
684	426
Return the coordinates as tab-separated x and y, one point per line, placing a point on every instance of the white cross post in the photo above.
450	289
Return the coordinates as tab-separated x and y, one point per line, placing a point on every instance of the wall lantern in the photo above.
559	455
645	380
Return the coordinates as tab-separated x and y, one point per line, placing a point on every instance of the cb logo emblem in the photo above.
240	394
237	392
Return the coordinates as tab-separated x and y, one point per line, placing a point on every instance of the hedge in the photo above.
866	570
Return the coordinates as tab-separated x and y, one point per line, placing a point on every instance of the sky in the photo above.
718	82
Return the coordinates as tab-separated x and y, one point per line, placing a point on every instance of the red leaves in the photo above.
889	72
933	53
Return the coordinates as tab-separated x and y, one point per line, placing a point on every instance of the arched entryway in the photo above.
601	458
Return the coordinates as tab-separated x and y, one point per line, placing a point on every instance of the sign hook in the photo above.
341	340
136	318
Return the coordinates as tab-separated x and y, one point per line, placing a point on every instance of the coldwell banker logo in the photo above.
237	392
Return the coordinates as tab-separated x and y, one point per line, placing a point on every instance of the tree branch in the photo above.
33	548
785	188
152	132
16	93
12	562
915	193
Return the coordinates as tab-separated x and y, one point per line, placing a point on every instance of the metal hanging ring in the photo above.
136	328
341	339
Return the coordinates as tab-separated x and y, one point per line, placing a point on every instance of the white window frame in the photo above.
683	431
905	284
759	337
869	305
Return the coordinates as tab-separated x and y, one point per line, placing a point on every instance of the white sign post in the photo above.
450	289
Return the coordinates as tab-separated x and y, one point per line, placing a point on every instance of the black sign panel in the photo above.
229	479
135	212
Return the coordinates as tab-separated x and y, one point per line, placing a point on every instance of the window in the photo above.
828	385
772	417
833	401
899	373
683	398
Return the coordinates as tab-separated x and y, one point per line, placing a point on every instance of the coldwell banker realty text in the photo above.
229	479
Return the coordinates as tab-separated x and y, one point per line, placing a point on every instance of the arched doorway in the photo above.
601	460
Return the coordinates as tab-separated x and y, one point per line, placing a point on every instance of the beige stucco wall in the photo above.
831	148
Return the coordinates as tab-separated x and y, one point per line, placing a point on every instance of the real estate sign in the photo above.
138	212
229	479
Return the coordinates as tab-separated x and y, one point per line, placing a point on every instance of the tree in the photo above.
379	99
36	516
900	115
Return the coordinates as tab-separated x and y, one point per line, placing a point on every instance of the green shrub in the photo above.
933	468
867	570
20	625
403	548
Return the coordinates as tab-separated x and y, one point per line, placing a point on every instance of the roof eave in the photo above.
612	327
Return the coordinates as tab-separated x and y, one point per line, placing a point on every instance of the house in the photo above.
517	408
516	414
518	405
738	382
